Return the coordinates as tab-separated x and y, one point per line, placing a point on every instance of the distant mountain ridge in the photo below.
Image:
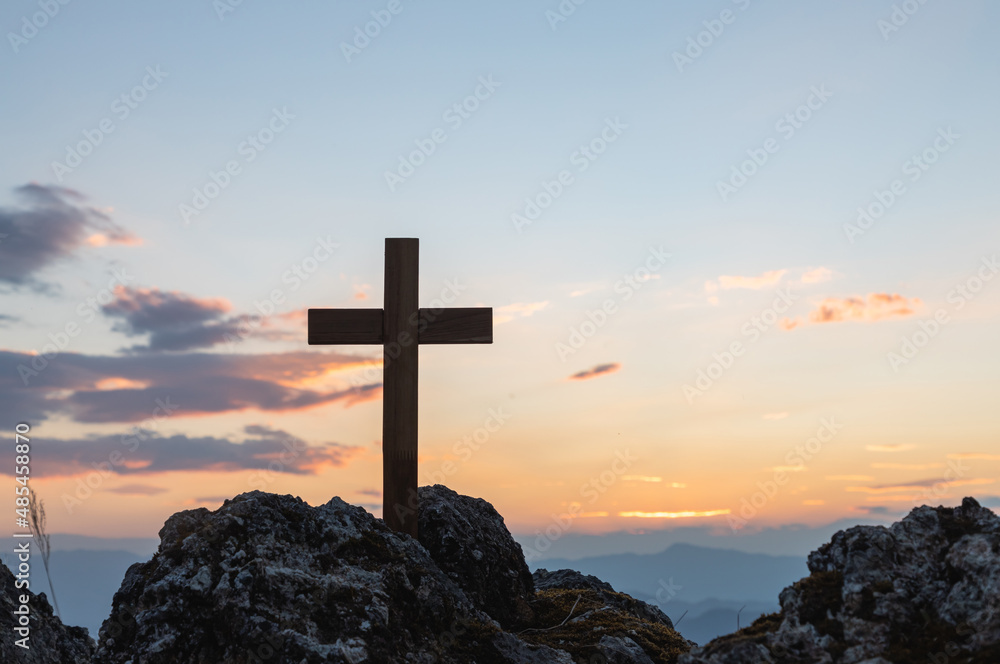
794	539
691	573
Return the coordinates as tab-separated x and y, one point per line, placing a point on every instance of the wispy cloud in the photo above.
817	276
673	515
868	309
727	282
594	372
917	485
509	312
850	478
651	479
907	466
980	456
138	489
894	447
207	500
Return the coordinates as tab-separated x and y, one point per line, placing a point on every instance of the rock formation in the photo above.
926	589
269	578
603	624
468	540
49	641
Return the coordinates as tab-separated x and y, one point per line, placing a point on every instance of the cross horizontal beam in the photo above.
468	325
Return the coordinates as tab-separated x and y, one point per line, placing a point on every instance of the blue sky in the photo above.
555	86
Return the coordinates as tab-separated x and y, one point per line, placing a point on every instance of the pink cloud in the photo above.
868	309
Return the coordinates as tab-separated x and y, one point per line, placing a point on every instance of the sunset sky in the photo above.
742	255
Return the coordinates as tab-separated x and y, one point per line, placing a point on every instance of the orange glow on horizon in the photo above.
674	515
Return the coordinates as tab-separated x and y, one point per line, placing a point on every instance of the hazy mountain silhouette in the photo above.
86	581
700	572
705	620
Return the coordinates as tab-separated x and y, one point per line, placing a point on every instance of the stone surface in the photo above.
49	641
568	579
269	578
468	540
926	589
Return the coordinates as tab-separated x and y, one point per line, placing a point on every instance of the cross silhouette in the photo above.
400	327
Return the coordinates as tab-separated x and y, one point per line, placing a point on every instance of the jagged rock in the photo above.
622	650
584	615
468	540
269	578
568	579
49	641
926	589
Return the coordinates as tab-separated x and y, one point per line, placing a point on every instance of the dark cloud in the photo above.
51	225
263	448
374	493
98	388
6	320
152	310
179	322
174	321
594	372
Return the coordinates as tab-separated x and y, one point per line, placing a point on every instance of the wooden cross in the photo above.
400	327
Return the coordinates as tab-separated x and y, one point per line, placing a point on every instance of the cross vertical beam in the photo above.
399	415
400	328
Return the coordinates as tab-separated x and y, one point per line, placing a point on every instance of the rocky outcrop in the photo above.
48	640
468	540
926	589
568	579
586	617
267	578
